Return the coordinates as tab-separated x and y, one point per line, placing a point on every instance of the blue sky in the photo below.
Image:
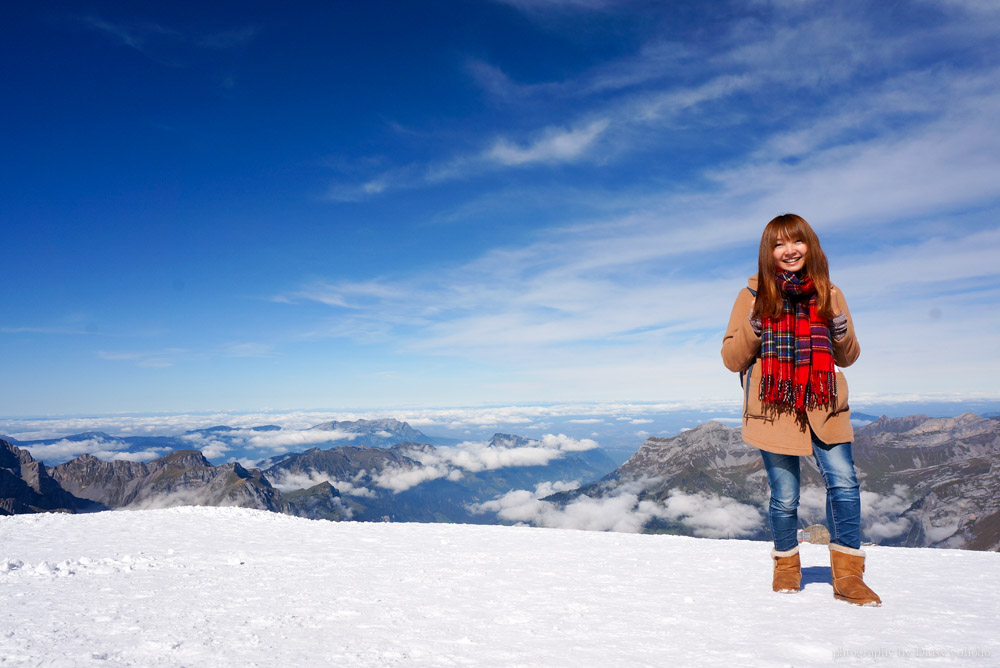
236	206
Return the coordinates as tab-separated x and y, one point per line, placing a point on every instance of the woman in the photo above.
788	329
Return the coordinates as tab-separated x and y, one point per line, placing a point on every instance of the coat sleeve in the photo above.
847	349
740	344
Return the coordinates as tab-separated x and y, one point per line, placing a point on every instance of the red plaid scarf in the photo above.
796	350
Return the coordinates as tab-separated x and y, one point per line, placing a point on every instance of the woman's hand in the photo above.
838	326
755	320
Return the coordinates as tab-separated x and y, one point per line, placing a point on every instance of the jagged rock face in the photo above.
112	484
27	487
184	477
948	468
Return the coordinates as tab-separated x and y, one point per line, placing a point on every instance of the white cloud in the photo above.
268	442
556	145
399	479
287	482
712	516
882	514
706	515
215	449
452	462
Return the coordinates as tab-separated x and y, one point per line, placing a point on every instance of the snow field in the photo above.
236	587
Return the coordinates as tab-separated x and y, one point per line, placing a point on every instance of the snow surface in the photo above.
236	587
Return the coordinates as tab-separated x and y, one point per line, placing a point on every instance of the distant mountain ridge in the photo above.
382	432
223	442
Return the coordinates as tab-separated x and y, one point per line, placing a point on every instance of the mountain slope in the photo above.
27	487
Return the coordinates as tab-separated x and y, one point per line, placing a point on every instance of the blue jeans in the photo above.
843	495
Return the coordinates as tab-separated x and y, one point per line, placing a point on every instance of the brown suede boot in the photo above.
787	571
847	567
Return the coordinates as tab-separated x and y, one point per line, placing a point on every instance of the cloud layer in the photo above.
705	515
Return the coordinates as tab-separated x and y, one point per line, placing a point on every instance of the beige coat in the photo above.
783	432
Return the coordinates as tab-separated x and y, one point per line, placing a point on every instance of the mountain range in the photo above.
382	478
925	481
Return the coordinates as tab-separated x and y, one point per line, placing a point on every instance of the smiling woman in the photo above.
787	330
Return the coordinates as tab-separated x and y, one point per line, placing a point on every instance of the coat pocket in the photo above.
752	405
841	404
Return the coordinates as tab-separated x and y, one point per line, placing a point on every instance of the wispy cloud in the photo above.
166	44
149	359
556	145
899	159
823	60
453	462
44	330
135	34
168	357
549	146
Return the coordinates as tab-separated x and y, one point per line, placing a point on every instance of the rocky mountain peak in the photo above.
13	457
896	425
184	459
508	441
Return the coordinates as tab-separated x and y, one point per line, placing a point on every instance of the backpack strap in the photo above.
749	370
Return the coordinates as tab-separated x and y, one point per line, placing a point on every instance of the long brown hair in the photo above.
791	228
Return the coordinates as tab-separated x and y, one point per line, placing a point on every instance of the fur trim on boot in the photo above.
847	567
787	571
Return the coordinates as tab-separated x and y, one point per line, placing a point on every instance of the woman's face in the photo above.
790	254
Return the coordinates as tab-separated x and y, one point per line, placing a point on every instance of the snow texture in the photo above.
237	587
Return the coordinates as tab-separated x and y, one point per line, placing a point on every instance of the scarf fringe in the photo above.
820	391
